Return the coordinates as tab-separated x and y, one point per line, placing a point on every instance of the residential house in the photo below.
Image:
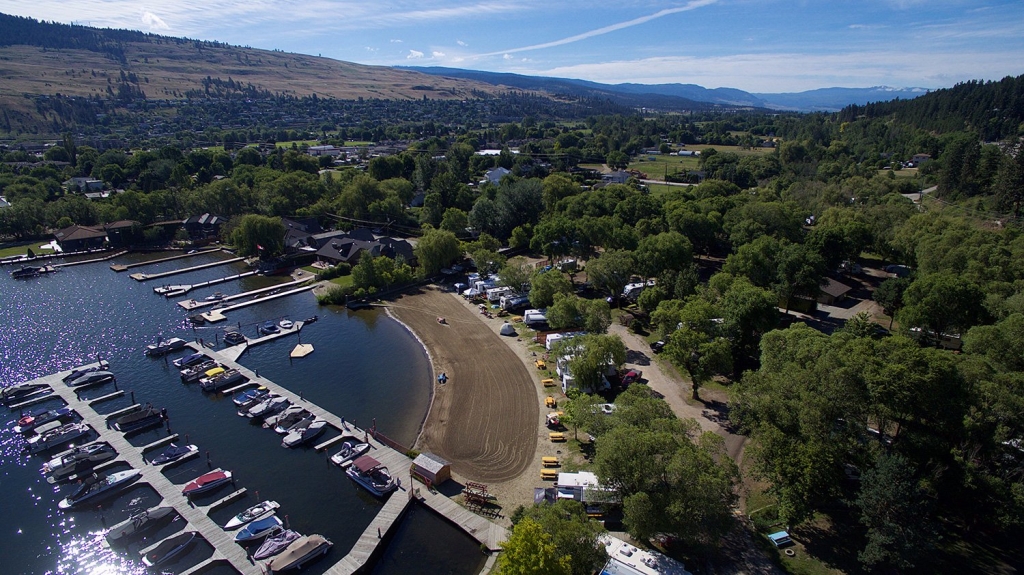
299	233
80	238
494	175
833	292
204	226
616	177
124	233
918	159
83	184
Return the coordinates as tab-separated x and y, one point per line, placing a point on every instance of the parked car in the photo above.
658	346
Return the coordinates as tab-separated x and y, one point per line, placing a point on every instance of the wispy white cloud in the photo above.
461	43
154	22
372	49
436	54
508	56
414	55
396	41
691	5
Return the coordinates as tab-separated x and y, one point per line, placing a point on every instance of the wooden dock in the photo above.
226	551
91	261
216	315
182	289
141	277
191	304
124	267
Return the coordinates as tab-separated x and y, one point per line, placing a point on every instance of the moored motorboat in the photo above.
283	421
101	365
99	487
234	338
79	463
269	406
286	324
27	272
173	453
92	378
254	513
312	319
249	395
193	373
206	482
77	454
165	346
372	475
55	437
351	448
300	551
308	433
258	529
15	393
269	327
222	380
137	524
190	360
276	544
168	549
31	421
141	419
215	296
243	408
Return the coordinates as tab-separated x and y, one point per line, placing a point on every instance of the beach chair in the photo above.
549	401
556	436
548	475
549	461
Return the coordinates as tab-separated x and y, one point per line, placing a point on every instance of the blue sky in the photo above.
754	45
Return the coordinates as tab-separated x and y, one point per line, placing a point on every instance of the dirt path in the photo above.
484	419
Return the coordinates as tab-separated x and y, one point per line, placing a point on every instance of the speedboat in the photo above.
193	373
168	549
137	524
206	482
254	513
234	338
269	407
165	346
222	380
78	464
250	394
283	421
26	272
102	365
312	319
100	486
258	529
31	421
286	324
372	475
268	328
14	393
311	431
276	544
190	360
55	437
141	419
215	296
243	408
351	448
299	552
92	378
173	453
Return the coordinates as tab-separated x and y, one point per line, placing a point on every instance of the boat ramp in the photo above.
226	551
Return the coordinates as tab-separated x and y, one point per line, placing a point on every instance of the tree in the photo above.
486	261
573	533
697	344
617	160
572	311
611	271
436	249
897	514
942	303
592	355
748	312
545	285
889	295
455	221
516	274
530	550
258	235
665	251
581	412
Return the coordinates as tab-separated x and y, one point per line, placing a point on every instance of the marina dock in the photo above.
234	352
125	267
191	304
226	551
141	277
182	289
217	315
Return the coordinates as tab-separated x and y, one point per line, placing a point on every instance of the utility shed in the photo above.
431	469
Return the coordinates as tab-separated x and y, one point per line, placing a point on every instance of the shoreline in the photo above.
433	375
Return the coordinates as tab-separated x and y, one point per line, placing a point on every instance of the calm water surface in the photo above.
365	367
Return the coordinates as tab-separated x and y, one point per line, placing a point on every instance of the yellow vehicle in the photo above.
548	382
549	401
541	364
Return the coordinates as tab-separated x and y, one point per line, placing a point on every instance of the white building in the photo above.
494	175
626	559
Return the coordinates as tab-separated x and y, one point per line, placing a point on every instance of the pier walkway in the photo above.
226	550
182	289
124	267
234	352
191	304
216	315
141	277
91	261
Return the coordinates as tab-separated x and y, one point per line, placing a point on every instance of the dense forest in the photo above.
914	450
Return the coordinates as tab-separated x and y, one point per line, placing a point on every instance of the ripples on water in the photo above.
364	367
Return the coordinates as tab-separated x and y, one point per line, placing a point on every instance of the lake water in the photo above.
365	367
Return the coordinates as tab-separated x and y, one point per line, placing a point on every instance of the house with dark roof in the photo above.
348	247
204	226
80	238
299	233
124	233
833	292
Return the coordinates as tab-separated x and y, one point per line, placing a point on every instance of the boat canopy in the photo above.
366	463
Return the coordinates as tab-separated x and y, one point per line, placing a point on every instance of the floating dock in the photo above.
182	289
216	315
234	352
191	304
226	551
124	267
141	277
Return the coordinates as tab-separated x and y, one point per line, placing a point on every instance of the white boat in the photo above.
258	529
215	296
269	407
254	513
55	437
80	462
276	544
17	392
174	453
193	373
136	524
372	475
222	380
301	551
351	448
168	549
283	421
308	433
100	486
286	324
206	482
165	346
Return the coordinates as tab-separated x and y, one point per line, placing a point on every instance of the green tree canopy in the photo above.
258	235
436	249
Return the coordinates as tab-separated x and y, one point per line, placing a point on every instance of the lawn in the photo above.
23	250
343	281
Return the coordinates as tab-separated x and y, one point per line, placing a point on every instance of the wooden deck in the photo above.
226	551
191	304
123	267
141	277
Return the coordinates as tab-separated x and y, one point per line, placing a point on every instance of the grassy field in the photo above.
656	166
23	250
905	173
343	281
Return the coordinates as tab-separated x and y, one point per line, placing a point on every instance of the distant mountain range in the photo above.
679	95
